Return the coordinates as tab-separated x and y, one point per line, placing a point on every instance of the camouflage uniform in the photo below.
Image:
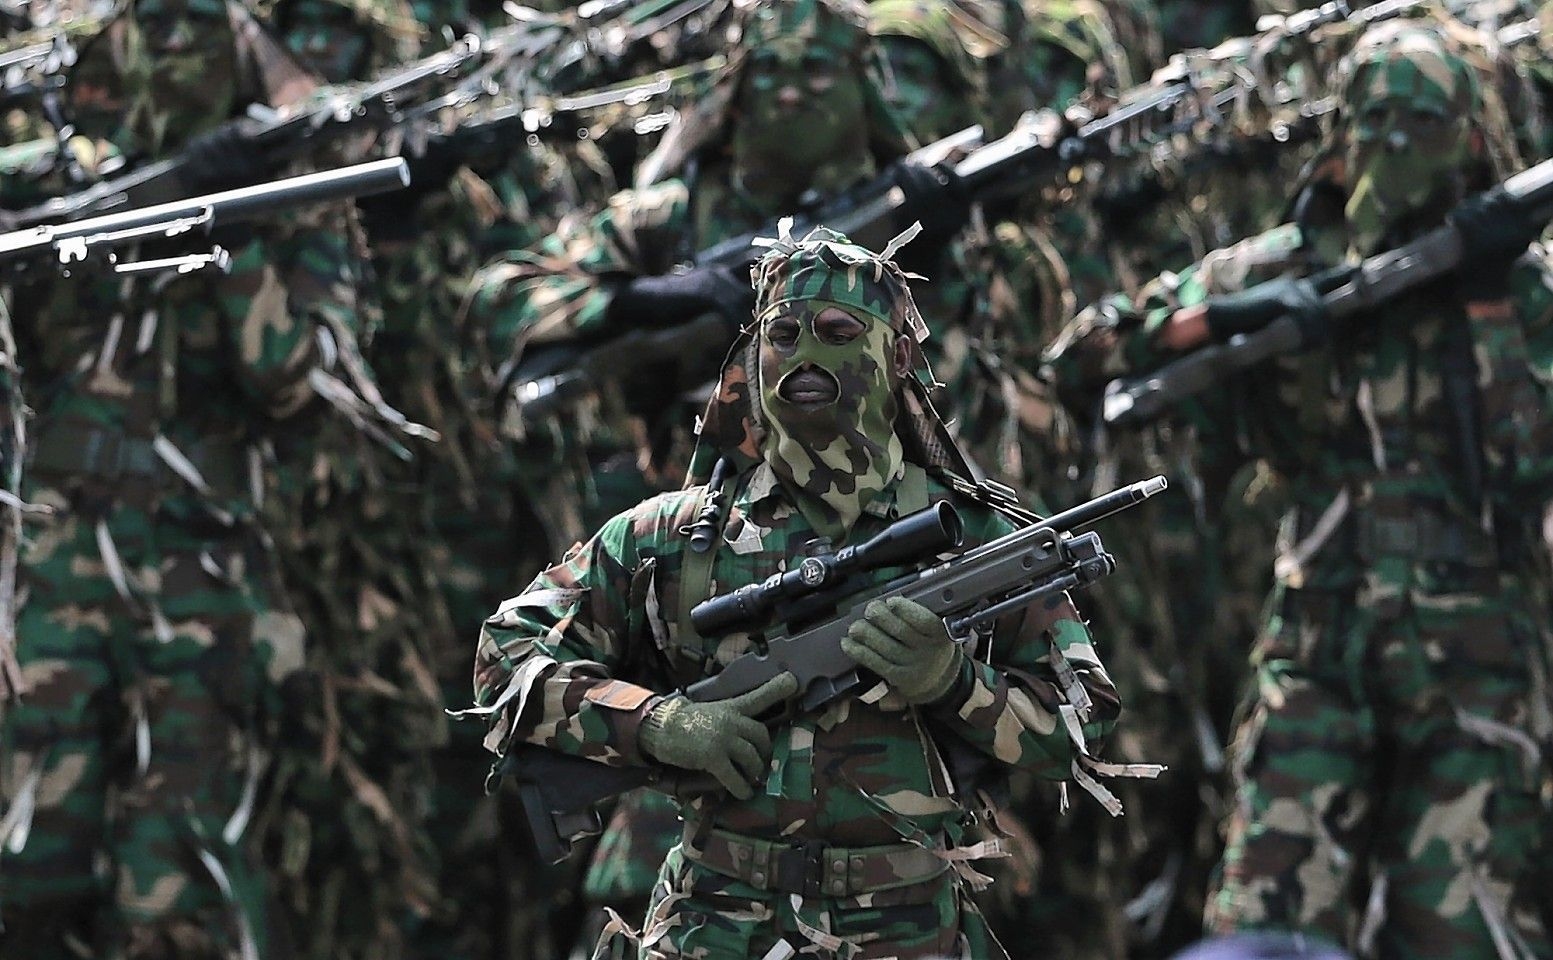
155	639
572	664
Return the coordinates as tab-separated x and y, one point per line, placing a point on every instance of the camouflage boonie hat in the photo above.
1401	59
180	8
1436	60
825	265
839	24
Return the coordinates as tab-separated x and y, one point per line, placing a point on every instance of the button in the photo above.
839	864
857	863
838	887
758	879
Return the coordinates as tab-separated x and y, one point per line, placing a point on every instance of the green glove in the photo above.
908	646
720	737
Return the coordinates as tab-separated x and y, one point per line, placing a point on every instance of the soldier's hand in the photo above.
1255	307
935	198
675	298
721	737
1495	231
908	646
1186	329
223	159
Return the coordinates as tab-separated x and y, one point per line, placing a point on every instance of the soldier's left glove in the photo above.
1495	231
909	647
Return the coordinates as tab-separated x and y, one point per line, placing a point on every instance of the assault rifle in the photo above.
800	618
402	98
1346	291
93	241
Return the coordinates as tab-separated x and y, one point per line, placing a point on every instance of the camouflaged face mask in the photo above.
1409	103
827	391
181	70
829	314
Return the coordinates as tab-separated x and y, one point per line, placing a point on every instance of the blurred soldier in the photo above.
1389	759
824	417
155	641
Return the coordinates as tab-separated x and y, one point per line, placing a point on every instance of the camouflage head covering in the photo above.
179	68
838	25
798	279
836	456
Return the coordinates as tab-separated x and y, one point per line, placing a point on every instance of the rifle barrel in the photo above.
230	206
1103	506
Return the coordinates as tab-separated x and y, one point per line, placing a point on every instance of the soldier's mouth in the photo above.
809	387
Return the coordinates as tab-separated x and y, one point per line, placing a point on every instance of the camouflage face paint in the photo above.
801	102
1409	105
827	390
181	77
916	88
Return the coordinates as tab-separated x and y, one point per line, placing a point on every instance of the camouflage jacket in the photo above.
573	662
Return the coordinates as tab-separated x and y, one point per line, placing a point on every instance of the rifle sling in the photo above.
695	581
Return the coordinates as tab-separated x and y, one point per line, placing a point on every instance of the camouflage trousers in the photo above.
698	913
1387	776
132	758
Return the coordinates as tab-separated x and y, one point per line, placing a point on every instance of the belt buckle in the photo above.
800	868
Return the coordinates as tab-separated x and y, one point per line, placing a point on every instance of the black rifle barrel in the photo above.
1101	507
228	206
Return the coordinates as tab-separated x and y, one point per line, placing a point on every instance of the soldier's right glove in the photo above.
721	737
1255	307
675	298
935	198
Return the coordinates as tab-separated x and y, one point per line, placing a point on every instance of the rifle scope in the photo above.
917	536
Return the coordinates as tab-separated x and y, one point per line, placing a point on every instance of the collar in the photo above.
908	494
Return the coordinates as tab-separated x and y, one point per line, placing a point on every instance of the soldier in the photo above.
1388	761
155	641
805	62
824	415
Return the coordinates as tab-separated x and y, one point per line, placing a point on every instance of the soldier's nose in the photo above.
1396	141
789	96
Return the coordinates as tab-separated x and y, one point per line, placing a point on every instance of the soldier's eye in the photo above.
782	332
836	327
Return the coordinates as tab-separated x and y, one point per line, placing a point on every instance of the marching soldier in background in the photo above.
1389	759
156	645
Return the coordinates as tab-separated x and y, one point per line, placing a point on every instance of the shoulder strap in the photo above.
695	575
